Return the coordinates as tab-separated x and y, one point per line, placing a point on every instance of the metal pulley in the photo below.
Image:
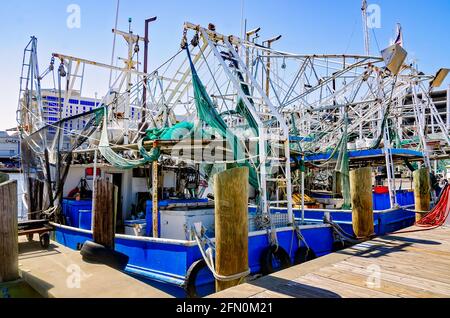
211	27
195	40
61	70
52	64
183	44
136	47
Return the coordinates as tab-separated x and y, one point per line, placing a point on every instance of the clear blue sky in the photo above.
320	26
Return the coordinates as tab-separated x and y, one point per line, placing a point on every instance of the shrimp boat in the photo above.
221	101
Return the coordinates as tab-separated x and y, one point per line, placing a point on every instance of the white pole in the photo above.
389	169
303	193
365	28
242	19
126	120
93	187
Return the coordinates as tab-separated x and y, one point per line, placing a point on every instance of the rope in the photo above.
301	237
169	61
438	216
47	212
114	41
341	233
209	262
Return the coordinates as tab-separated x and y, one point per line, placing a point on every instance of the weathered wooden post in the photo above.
231	224
422	194
362	204
9	245
103	226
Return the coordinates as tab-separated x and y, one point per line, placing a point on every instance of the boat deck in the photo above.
60	272
407	264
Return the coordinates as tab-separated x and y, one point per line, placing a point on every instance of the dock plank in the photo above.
412	263
60	272
411	258
407	269
344	289
407	279
395	289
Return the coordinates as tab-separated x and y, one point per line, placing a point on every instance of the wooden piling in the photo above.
422	194
9	245
103	226
231	224
362	205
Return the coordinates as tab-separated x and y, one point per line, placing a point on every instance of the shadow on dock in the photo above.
28	250
409	264
384	246
59	272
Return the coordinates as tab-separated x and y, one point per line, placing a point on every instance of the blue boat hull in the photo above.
385	222
168	261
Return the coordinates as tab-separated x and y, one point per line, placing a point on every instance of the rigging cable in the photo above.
114	41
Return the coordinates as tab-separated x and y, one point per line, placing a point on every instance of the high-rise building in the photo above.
54	109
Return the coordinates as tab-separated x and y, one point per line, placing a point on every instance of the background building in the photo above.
51	108
9	149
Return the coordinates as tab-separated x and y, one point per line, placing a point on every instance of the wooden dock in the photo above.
407	264
60	272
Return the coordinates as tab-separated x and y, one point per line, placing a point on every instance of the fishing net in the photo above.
342	166
114	158
47	155
175	132
208	114
295	145
117	160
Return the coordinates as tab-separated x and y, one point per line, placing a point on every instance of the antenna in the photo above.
365	28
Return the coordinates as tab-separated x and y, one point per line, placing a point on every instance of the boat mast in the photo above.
365	28
29	114
133	47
